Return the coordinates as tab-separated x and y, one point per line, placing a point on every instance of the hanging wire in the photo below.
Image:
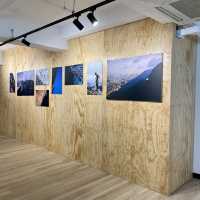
12	33
73	9
74	6
66	8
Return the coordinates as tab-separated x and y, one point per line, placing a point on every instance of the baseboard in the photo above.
197	176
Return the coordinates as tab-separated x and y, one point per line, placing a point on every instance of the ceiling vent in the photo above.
190	8
170	14
181	11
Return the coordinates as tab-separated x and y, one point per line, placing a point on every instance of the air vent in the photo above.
169	14
190	8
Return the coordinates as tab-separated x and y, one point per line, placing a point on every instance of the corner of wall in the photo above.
182	111
196	163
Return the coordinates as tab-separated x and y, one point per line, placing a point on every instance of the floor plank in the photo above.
28	172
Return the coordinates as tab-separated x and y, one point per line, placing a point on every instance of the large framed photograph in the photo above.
136	79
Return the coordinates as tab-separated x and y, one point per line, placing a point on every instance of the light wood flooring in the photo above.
28	172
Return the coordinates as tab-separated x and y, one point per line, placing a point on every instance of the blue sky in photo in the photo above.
26	75
95	67
132	67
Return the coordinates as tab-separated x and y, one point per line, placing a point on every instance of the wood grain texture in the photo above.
128	139
182	111
31	172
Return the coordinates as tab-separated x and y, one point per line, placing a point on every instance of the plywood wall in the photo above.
129	139
125	138
182	110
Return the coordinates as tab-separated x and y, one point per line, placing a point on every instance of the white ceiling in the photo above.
25	15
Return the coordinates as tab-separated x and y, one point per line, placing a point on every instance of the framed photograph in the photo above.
95	78
42	76
25	83
136	79
42	98
12	83
57	80
74	75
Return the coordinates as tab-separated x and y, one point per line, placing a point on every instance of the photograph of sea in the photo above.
136	79
42	98
95	74
12	83
25	83
57	80
74	75
42	77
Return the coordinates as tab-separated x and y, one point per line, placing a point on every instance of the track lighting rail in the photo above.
73	15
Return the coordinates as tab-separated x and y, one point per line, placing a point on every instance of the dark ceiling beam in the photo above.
76	14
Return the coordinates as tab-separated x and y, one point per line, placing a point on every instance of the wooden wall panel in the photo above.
24	119
7	103
145	158
106	134
182	111
129	139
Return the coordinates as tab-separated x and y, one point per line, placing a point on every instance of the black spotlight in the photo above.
78	24
92	18
25	42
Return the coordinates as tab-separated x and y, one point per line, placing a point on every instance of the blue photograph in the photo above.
25	83
74	75
57	80
95	74
136	79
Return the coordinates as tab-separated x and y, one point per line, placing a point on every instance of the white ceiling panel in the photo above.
25	15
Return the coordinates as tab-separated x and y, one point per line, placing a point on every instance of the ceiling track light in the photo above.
92	18
78	24
25	42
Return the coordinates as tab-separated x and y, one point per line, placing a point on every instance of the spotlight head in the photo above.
78	24
25	42
92	18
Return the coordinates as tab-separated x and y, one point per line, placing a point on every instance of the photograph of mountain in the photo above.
42	98
57	80
42	77
12	83
74	75
25	83
95	74
136	79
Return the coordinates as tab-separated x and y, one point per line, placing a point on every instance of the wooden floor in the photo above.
28	172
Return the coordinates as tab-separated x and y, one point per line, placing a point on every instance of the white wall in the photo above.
197	117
